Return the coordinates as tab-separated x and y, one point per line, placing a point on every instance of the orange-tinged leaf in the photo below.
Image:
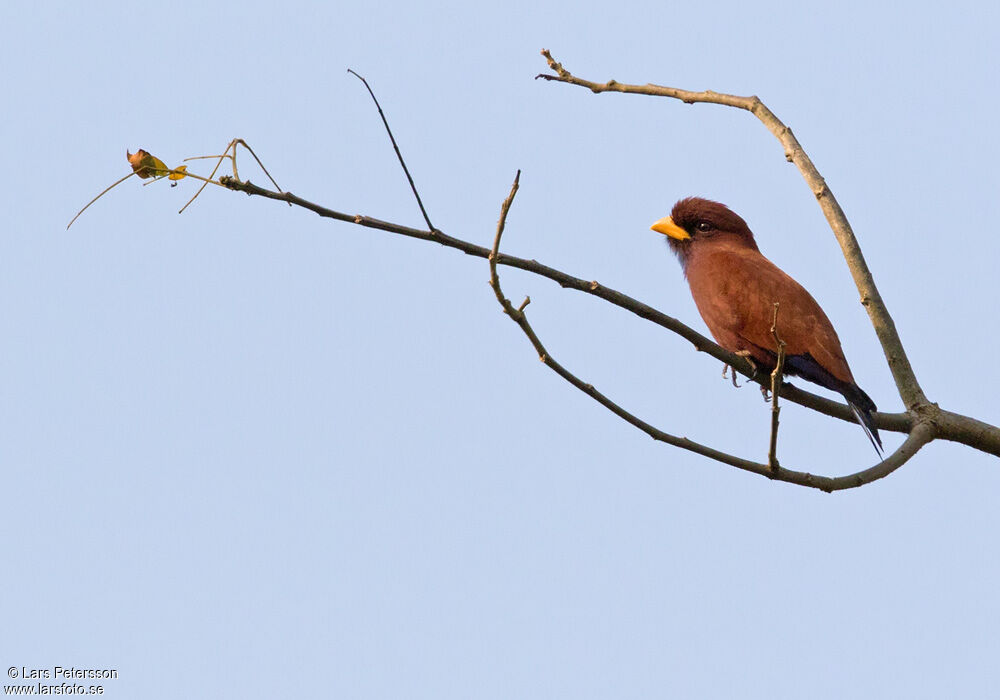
178	172
145	165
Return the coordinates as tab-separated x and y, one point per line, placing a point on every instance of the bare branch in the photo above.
948	425
894	422
902	372
492	258
430	226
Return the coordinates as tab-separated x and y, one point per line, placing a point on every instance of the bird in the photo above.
735	289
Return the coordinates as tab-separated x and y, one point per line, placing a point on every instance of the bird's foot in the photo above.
766	393
725	372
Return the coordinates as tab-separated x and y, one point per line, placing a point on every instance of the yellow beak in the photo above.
667	227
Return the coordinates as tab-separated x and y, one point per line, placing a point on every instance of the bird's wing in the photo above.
740	301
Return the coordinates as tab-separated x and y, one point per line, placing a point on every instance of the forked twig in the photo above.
225	154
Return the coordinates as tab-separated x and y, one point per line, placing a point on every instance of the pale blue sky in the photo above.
251	453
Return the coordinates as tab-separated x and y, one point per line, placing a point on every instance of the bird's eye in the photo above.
703	226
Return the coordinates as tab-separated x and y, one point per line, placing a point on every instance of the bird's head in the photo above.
694	221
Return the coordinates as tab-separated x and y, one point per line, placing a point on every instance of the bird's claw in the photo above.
745	354
725	370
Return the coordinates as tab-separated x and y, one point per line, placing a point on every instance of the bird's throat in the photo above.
682	249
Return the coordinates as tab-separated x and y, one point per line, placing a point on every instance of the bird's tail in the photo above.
863	407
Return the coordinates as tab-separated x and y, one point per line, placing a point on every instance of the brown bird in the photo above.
735	288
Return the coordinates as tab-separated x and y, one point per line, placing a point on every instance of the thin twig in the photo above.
902	372
492	258
103	192
247	146
430	226
779	367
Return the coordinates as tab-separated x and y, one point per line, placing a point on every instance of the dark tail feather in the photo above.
863	407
